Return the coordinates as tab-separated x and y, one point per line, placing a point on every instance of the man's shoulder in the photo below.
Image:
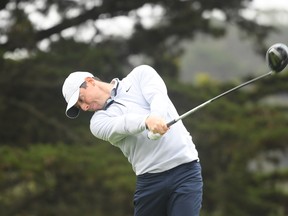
142	70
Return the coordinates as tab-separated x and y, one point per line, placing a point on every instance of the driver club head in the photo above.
277	57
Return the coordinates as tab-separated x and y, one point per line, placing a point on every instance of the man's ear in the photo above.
90	80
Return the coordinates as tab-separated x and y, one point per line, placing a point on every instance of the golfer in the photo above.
169	180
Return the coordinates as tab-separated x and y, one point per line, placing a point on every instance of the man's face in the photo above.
90	97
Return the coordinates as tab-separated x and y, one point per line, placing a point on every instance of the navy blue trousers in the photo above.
176	192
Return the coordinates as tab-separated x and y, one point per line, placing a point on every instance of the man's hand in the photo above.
156	125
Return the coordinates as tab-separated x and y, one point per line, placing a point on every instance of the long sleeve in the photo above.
115	128
154	91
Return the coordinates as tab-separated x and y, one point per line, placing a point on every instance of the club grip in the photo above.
157	136
171	123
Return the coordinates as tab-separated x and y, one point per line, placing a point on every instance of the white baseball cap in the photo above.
71	91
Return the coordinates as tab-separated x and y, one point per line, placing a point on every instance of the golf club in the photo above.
277	59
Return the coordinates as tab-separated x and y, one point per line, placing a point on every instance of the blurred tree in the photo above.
65	180
171	22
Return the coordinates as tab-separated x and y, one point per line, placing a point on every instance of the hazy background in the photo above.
53	166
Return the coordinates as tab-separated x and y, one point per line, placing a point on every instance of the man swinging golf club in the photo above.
169	180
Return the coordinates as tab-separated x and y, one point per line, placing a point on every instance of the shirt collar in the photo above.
113	93
115	87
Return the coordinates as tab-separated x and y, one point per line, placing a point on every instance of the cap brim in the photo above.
71	110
